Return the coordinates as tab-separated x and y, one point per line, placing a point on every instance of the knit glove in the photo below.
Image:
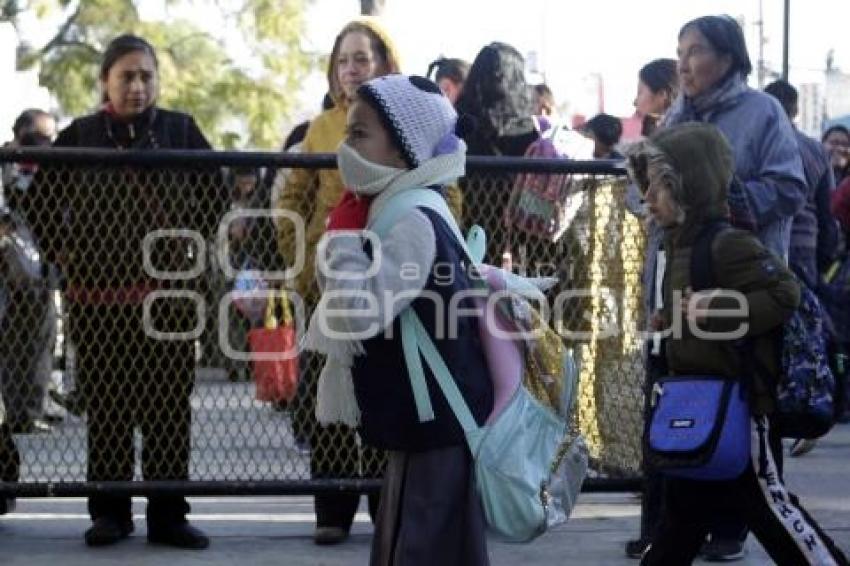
739	207
350	214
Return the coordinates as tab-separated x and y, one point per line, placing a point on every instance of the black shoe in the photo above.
326	536
107	530
723	550
637	547
180	535
53	418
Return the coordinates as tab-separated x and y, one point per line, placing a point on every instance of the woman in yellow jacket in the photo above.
361	51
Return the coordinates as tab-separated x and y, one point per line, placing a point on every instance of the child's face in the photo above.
660	202
365	134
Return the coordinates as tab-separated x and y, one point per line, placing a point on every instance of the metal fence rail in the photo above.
206	410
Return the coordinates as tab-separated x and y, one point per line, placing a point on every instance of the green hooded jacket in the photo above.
703	158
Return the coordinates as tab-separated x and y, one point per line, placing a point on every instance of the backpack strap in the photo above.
416	343
702	260
413	361
703	277
441	373
407	200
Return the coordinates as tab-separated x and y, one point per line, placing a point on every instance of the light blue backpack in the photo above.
528	467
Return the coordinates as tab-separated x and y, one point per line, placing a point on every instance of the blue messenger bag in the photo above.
699	426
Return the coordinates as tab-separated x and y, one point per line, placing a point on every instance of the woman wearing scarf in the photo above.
769	186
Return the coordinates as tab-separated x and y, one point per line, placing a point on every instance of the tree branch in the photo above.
59	38
81	44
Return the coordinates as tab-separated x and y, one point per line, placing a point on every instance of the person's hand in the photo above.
351	213
656	322
696	306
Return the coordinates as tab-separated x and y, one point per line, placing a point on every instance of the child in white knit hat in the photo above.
401	136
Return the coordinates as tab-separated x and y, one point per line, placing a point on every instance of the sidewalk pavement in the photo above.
277	530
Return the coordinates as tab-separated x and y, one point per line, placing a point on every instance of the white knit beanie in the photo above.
419	117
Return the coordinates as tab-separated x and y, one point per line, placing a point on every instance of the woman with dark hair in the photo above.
658	85
498	100
769	186
836	140
450	76
497	96
95	223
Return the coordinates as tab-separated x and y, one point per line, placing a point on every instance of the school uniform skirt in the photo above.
429	511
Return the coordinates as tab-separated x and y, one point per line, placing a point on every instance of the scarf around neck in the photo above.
700	108
336	401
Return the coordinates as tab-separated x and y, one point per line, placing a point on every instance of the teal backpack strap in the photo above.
410	345
393	210
404	201
400	204
414	337
442	375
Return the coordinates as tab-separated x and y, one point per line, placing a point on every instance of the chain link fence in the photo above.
125	362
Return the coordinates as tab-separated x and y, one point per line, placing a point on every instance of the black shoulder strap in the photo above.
702	261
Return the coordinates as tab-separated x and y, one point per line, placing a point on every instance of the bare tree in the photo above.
372	7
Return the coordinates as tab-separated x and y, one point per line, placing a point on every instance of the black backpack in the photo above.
805	386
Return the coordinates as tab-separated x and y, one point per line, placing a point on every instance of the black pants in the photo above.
759	497
653	486
10	462
132	380
10	458
335	453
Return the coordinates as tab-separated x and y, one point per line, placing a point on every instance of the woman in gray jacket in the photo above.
769	185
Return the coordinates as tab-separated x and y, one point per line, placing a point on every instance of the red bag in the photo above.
274	354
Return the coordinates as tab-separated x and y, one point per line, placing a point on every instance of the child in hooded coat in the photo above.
685	172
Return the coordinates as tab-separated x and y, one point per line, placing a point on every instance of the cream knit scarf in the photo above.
336	402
